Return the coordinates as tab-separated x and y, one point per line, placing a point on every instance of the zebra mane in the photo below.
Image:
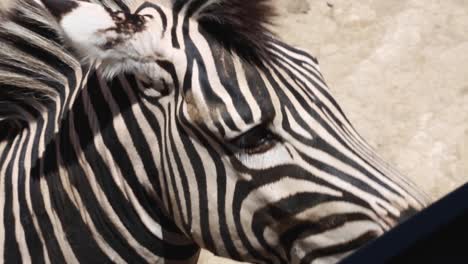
240	26
27	85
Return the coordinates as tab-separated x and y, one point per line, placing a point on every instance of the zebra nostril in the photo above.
59	8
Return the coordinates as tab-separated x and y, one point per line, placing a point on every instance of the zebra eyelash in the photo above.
257	140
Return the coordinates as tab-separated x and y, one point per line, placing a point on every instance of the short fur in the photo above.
26	83
240	26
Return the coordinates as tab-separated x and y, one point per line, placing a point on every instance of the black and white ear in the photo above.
86	25
60	8
93	29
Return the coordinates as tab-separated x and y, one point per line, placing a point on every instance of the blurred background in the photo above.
399	69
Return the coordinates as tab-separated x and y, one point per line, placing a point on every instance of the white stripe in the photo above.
7	161
337	207
28	164
213	78
212	197
118	178
379	205
244	88
200	113
323	134
342	234
297	56
401	196
171	165
58	231
296	127
315	74
75	197
122	132
154	146
274	192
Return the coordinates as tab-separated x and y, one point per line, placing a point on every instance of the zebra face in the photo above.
267	160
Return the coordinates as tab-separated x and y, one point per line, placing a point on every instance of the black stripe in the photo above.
103	224
322	145
154	124
11	247
121	206
38	206
75	230
242	190
31	235
211	98
260	92
293	50
115	146
339	249
158	9
176	8
227	74
326	125
303	229
122	5
173	153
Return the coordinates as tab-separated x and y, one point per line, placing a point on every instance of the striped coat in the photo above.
144	135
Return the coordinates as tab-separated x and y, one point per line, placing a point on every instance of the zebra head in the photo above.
256	161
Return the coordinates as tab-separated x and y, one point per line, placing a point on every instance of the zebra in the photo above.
143	131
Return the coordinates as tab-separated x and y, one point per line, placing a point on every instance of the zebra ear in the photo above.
240	25
81	22
60	8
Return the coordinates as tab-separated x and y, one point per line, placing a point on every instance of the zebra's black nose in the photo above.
59	8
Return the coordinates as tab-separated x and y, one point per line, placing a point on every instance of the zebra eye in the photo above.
255	141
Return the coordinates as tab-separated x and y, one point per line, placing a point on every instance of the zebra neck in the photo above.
85	198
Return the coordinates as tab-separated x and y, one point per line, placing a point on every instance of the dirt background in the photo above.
400	71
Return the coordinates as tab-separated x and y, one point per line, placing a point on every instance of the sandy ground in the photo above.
400	71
